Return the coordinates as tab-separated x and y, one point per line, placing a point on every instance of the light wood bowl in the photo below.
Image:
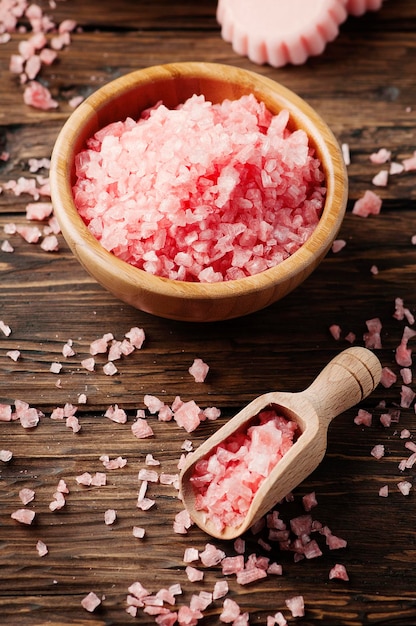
173	84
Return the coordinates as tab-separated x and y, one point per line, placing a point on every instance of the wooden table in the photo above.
364	86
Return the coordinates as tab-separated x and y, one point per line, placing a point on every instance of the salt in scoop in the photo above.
346	380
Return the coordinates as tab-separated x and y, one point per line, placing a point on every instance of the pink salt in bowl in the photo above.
173	84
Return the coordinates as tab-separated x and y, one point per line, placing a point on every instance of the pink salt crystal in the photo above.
14	355
100	345
99	479
110	516
62	486
29	418
279	33
211	413
165	414
211	555
383	155
309	501
75	101
188	416
72	422
148	475
369	204
335	331
190	555
6	246
38	210
363	418
251	575
26	495
396	168
138	532
296	606
110	369
55	368
50	244
90	602
193	574
141	429
278	619
383	492
405	433
230	611
24	516
84	479
67	350
410	163
39	97
182	522
201	601
153	403
378	451
232	564
6	456
116	463
199	370
220	589
388	377
407	395
404	487
42	548
372	338
150	460
88	364
381	178
136	336
406	374
116	414
6	330
338	571
58	501
31	234
47	56
338	245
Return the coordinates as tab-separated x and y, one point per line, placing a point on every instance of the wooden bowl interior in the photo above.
128	96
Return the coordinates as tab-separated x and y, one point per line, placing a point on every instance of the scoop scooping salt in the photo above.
203	192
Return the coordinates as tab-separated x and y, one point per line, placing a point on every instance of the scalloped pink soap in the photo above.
280	32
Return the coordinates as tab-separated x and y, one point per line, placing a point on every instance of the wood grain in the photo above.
363	85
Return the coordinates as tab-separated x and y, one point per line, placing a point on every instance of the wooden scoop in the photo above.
349	378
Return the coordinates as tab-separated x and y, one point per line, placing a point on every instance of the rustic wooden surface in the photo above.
364	86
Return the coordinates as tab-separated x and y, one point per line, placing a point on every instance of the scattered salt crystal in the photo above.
150	460
42	548
50	243
116	414
378	451
6	330
153	403
338	245
410	163
190	555
220	589
193	574
396	168
138	532
39	96
383	492
363	418
369	204
338	571
110	516
141	429
381	179
335	331
404	487
199	370
230	611
380	157
24	516
14	355
55	368
309	501
148	475
84	479
6	456
6	246
90	602
26	495
296	606
345	148
88	364
374	270
110	369
407	395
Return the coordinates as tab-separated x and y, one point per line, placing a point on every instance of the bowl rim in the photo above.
87	248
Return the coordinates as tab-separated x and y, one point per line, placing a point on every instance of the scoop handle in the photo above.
346	380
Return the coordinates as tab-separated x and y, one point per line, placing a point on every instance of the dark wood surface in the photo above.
364	86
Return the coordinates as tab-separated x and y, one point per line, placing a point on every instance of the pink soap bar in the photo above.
359	7
278	32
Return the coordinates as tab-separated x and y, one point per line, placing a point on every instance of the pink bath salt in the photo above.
38	210
381	156
26	495
110	516
211	555
199	370
24	516
58	501
363	418
84	479
407	395
250	575
383	492
235	191
401	312
29	417
136	336
226	481
194	574
88	364
165	414
72	422
309	501
378	451
14	355
110	369
39	96
100	478
232	564
230	612
404	486
67	350
16	64
141	429
100	345
278	619
211	413
338	245
338	571
150	460
138	532
182	522
55	368
406	374
388	377
153	403
220	589
335	331
190	555
111	464
5	328
31	234
149	475
403	355
201	601
381	178
50	243
296	606
116	414
41	548
188	416
145	504
48	56
6	246
372	338
410	163
6	456
169	479
90	602
369	204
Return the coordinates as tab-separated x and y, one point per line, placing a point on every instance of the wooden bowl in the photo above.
173	84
